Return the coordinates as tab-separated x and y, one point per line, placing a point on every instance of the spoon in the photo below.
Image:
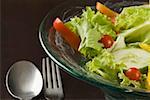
24	80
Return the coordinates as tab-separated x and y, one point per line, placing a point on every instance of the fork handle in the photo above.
54	98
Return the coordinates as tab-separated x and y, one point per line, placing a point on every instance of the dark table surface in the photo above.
20	21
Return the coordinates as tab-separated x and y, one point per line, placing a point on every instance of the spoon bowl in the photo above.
24	80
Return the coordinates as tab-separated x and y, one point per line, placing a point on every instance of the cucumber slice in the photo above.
132	57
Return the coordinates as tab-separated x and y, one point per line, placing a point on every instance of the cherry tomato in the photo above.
69	36
107	41
133	74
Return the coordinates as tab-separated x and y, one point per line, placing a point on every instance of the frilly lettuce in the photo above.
132	16
104	66
91	26
139	33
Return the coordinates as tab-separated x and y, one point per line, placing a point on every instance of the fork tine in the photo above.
53	74
52	79
43	72
58	77
49	83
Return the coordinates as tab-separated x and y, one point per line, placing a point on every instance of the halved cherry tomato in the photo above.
105	10
69	36
133	74
107	41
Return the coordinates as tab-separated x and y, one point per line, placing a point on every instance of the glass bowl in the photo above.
71	60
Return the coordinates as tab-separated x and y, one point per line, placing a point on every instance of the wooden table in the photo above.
20	21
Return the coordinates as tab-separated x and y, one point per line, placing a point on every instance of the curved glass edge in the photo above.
73	72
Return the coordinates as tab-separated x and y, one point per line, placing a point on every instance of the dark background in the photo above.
20	21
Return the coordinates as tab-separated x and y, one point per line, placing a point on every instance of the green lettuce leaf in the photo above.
71	27
91	26
132	16
147	38
104	66
139	33
90	43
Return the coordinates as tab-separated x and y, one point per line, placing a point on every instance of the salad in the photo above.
117	45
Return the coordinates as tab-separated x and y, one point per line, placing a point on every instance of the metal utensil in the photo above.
24	80
52	80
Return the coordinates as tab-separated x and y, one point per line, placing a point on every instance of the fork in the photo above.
52	80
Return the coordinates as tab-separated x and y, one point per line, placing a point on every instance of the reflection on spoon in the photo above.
24	80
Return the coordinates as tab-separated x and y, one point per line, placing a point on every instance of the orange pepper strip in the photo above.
105	10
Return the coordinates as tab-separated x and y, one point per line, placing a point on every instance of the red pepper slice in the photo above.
69	36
